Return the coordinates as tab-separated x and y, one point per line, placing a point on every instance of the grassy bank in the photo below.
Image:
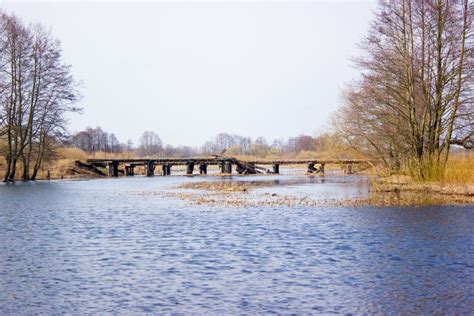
59	166
458	179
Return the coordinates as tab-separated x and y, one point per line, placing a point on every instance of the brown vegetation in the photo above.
58	165
36	90
414	98
238	194
457	180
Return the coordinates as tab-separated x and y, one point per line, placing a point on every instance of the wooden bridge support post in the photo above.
276	168
240	168
222	166
130	170
228	167
311	168
203	168
349	169
150	168
252	169
190	168
113	169
166	169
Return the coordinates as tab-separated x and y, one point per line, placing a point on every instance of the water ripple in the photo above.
75	248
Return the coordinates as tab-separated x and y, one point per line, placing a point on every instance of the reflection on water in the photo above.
90	246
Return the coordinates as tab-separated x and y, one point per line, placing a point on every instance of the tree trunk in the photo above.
11	176
7	171
26	169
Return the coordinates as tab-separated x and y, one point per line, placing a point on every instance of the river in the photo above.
85	247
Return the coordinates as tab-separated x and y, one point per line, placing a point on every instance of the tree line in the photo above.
93	140
36	91
414	97
96	139
261	147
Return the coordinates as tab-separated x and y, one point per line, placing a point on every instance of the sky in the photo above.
189	70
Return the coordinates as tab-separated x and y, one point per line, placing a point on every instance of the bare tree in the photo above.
36	91
113	143
150	144
414	98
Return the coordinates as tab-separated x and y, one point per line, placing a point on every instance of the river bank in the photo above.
457	187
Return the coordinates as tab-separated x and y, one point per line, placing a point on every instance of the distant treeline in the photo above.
36	91
150	144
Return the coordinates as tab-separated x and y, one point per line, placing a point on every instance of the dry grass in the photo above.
459	170
58	167
70	153
239	186
62	162
457	180
105	155
236	194
64	158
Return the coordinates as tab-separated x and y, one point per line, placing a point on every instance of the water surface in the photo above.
93	247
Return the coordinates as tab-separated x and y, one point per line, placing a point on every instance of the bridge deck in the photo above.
226	164
207	160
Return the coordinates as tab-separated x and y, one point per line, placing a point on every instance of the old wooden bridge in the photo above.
226	165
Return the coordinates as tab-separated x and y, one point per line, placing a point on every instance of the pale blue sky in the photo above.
188	70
